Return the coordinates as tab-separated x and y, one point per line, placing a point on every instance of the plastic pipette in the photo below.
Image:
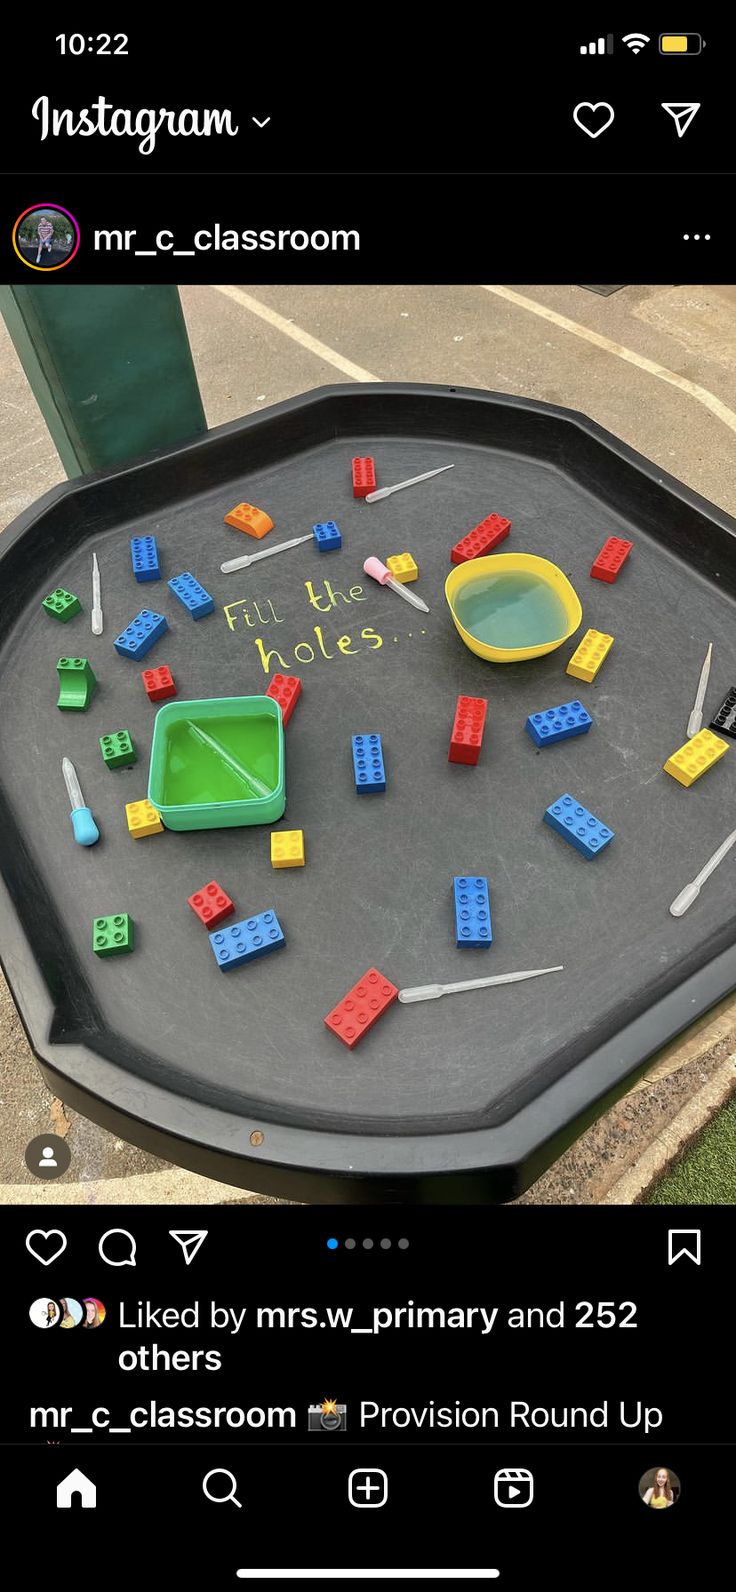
83	824
253	785
385	491
692	891
96	598
432	992
379	572
696	717
266	552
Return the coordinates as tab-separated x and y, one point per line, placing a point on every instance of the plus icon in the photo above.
368	1489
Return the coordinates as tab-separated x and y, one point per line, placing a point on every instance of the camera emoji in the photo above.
329	1416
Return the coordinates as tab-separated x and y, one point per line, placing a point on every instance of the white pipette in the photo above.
379	572
385	491
432	992
96	598
266	552
692	891
696	717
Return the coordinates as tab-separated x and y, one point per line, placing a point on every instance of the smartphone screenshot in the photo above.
367	800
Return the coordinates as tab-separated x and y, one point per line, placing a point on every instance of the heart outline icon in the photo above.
38	1232
586	105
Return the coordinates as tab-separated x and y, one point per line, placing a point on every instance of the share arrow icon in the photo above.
191	1241
682	113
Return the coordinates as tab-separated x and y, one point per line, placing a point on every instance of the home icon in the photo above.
75	1486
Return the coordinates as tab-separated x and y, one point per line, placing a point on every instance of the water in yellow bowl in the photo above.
511	610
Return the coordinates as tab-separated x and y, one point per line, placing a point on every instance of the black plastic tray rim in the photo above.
488	1165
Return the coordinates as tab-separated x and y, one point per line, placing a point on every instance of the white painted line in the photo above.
327	1573
296	333
690	388
173	1185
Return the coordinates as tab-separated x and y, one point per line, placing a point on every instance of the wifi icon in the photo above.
635	41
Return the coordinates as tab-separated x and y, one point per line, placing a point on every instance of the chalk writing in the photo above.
263	619
321	595
304	652
326	600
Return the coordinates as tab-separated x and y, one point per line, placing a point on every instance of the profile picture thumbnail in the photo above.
45	1313
46	237
94	1312
71	1312
659	1488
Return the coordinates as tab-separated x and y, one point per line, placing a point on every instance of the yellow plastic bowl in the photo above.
513	564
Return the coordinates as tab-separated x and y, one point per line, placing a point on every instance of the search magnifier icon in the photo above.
221	1497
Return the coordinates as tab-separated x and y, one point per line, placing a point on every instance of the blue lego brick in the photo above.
140	635
586	833
244	942
472	911
327	536
144	558
558	724
370	774
195	599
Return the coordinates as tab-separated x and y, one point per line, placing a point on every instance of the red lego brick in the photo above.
211	904
364	476
158	683
467	731
481	540
361	1007
285	689
611	559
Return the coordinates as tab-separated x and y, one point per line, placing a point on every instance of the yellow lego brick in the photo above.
287	848
403	567
592	652
143	819
695	757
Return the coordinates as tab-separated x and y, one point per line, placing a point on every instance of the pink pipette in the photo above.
379	572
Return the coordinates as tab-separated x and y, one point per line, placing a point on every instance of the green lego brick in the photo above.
113	936
77	683
118	750
62	604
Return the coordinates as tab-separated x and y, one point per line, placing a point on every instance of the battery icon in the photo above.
680	43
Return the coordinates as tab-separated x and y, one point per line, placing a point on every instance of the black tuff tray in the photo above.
470	1097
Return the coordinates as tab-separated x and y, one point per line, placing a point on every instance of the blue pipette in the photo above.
83	824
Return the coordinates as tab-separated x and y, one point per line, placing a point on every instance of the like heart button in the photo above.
593	119
46	1246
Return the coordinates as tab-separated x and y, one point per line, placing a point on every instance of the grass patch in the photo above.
706	1175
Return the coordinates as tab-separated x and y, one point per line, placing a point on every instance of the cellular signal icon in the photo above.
602	46
635	42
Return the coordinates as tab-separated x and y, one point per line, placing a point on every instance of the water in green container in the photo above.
221	760
511	610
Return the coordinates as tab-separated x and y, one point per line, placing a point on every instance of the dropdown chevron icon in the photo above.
261	124
682	113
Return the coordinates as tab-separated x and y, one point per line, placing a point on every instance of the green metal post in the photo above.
110	368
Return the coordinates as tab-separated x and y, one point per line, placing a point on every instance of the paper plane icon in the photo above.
191	1240
682	113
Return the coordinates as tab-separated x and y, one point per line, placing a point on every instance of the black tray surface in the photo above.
483	1086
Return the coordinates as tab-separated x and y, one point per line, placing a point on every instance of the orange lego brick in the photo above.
246	517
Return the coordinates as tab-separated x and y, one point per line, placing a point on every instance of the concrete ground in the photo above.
655	365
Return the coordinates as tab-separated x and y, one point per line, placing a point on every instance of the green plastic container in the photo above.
218	764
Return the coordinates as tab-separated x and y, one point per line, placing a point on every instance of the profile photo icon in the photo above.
45	1312
94	1312
659	1488
46	237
